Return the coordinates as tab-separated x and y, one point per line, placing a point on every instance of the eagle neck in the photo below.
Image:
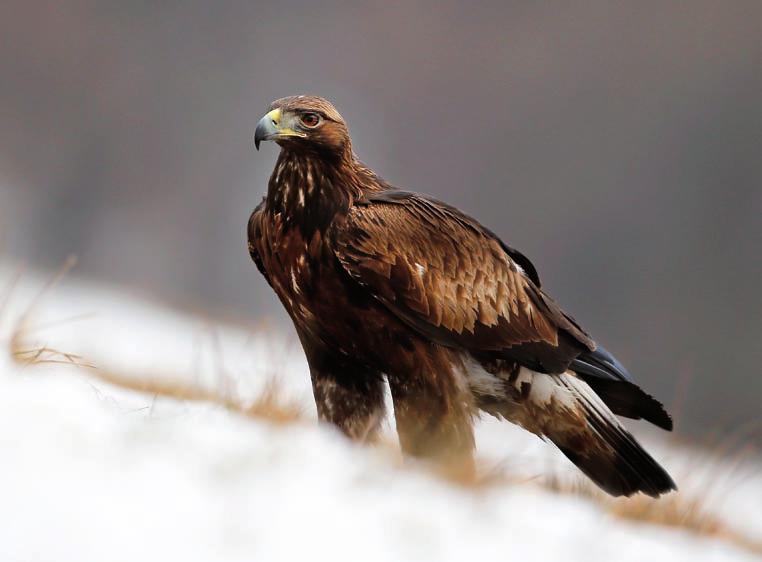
309	190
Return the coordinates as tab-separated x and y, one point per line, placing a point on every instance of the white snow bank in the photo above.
94	472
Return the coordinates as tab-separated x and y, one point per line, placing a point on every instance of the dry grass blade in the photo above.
44	354
676	510
681	512
21	351
269	405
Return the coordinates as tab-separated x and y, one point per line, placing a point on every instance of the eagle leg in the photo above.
433	409
347	394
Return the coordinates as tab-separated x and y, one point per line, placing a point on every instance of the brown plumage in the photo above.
389	286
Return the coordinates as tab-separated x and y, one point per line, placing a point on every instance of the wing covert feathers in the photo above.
446	276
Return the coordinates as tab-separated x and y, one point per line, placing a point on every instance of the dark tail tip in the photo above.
620	466
607	453
625	474
629	400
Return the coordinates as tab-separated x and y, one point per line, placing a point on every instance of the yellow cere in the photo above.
274	116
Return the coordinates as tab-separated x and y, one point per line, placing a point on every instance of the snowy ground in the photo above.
93	472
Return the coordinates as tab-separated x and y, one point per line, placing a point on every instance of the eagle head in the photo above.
304	123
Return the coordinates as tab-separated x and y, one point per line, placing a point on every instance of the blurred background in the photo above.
618	145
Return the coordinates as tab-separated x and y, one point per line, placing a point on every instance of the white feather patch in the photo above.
545	389
480	381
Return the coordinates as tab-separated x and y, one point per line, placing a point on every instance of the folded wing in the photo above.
454	281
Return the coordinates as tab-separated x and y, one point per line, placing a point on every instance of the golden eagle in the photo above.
388	285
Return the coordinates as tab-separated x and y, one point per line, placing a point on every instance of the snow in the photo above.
92	471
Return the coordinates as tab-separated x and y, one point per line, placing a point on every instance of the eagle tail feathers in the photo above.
604	450
568	411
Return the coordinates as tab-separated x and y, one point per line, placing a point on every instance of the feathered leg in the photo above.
433	407
347	394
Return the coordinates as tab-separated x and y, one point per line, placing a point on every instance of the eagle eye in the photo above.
310	119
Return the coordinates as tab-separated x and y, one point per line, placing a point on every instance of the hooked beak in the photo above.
272	127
